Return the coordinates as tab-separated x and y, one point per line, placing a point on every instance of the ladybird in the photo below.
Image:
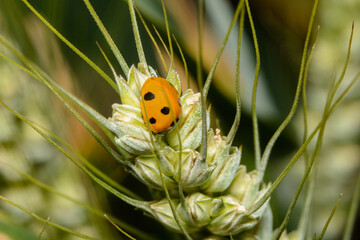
162	103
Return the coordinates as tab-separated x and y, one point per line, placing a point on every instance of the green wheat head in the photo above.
200	189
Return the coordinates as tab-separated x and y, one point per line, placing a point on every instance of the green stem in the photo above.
43	230
221	49
276	183
305	214
257	148
235	126
137	34
71	46
37	217
209	78
184	62
108	38
352	212
313	160
265	158
86	206
168	36
329	219
200	23
152	38
38	74
172	207
309	165
118	228
136	203
199	63
347	58
305	217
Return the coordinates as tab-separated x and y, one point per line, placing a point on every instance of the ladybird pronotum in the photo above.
160	104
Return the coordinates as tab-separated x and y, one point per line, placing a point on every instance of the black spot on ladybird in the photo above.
152	120
165	110
172	124
149	96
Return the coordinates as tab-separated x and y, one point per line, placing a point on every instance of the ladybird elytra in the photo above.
160	104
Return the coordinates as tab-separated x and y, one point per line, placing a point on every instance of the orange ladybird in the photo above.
162	103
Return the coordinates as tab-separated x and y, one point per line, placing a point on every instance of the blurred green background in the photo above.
281	28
